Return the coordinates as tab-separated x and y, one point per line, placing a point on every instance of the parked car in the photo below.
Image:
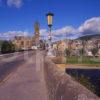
34	47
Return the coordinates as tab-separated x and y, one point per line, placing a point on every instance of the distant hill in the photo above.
88	37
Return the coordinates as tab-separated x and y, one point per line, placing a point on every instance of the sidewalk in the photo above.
27	83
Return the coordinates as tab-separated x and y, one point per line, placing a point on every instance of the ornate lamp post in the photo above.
50	22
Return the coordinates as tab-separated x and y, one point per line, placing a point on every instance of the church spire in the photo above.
36	27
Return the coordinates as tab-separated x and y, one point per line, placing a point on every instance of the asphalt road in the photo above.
24	77
10	63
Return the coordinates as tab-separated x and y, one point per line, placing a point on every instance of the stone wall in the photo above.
61	86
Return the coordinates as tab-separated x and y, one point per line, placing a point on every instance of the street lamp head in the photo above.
50	18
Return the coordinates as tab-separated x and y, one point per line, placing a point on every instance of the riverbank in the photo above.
79	66
86	74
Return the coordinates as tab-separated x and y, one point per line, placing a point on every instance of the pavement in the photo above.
27	81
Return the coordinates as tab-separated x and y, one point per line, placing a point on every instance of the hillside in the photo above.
87	37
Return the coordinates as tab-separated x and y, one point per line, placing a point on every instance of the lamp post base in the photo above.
50	52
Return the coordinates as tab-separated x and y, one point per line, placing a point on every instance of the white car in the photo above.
34	47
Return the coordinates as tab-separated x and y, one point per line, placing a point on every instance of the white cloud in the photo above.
64	30
11	34
43	32
91	26
15	3
59	33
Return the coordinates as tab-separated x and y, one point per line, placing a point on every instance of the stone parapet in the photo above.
61	86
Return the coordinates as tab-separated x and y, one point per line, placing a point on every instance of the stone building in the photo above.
25	42
36	37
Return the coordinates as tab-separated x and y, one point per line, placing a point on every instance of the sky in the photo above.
71	17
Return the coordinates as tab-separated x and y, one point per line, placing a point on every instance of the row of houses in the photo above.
76	45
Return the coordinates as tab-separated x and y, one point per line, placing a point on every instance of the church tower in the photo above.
36	27
36	37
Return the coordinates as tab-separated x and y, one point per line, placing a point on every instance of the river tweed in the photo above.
92	74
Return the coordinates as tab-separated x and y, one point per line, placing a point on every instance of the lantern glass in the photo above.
49	18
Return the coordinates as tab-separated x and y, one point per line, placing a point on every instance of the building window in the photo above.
22	43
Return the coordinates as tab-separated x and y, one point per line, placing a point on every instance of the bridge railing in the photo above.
61	86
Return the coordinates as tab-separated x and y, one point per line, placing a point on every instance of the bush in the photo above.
7	47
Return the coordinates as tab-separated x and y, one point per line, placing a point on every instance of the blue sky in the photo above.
20	15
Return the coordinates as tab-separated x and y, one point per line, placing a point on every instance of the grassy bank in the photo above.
81	60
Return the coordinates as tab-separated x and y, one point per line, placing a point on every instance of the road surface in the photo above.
22	77
10	63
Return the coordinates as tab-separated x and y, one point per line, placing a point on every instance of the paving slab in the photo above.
27	83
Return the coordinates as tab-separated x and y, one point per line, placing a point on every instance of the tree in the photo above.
67	52
1	41
7	47
81	52
94	51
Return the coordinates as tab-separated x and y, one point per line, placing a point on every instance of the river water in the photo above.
92	74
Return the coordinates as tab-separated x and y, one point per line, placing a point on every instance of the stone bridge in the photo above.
38	78
61	86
